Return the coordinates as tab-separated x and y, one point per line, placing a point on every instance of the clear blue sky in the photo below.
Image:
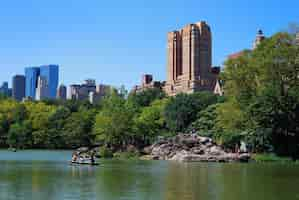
115	42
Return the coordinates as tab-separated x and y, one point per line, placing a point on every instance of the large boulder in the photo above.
192	148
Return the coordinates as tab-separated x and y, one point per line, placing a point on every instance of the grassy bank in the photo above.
263	158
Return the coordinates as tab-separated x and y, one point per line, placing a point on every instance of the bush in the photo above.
228	140
183	109
260	140
126	155
105	153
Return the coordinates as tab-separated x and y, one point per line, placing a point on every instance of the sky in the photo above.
115	42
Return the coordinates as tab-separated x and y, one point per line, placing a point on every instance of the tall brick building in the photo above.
189	63
189	60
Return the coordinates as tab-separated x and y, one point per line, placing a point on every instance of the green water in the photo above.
46	175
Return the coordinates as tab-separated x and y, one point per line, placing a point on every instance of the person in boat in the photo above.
74	157
92	156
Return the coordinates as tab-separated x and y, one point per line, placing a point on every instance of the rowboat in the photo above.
84	163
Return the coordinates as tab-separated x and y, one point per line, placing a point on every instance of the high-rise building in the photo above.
18	87
4	89
88	91
32	74
81	91
189	60
51	74
61	92
101	91
90	82
42	90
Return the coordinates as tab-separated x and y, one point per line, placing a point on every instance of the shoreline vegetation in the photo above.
260	108
257	158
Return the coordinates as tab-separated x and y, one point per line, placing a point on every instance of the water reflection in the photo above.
44	178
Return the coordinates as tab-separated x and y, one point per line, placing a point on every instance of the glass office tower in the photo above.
18	87
51	74
31	74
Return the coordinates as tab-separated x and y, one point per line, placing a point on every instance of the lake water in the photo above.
46	175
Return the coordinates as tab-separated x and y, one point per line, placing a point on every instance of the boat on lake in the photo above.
83	159
84	163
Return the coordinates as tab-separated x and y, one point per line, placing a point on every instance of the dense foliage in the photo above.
260	107
262	87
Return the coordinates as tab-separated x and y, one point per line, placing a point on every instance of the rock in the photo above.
204	140
146	157
215	150
198	151
131	149
244	157
192	148
147	150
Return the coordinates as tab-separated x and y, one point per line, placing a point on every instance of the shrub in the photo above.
105	153
126	155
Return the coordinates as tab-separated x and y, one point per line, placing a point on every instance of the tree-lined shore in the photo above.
260	107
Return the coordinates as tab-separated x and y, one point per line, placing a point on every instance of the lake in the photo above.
46	175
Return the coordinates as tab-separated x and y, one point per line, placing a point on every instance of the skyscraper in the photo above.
32	74
42	90
18	87
4	89
61	92
189	60
51	74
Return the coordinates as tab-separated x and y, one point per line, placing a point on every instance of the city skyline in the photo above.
42	82
116	50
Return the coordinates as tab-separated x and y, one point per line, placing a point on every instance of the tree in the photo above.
182	109
4	126
77	129
19	113
262	86
146	97
151	122
19	135
53	136
113	123
205	124
38	114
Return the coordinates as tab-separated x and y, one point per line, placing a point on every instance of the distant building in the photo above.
31	74
4	89
101	91
297	38
236	55
61	92
88	91
81	91
90	82
51	75
259	38
9	92
189	60
42	90
18	87
147	82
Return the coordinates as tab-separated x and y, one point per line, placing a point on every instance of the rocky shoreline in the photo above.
183	148
192	148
